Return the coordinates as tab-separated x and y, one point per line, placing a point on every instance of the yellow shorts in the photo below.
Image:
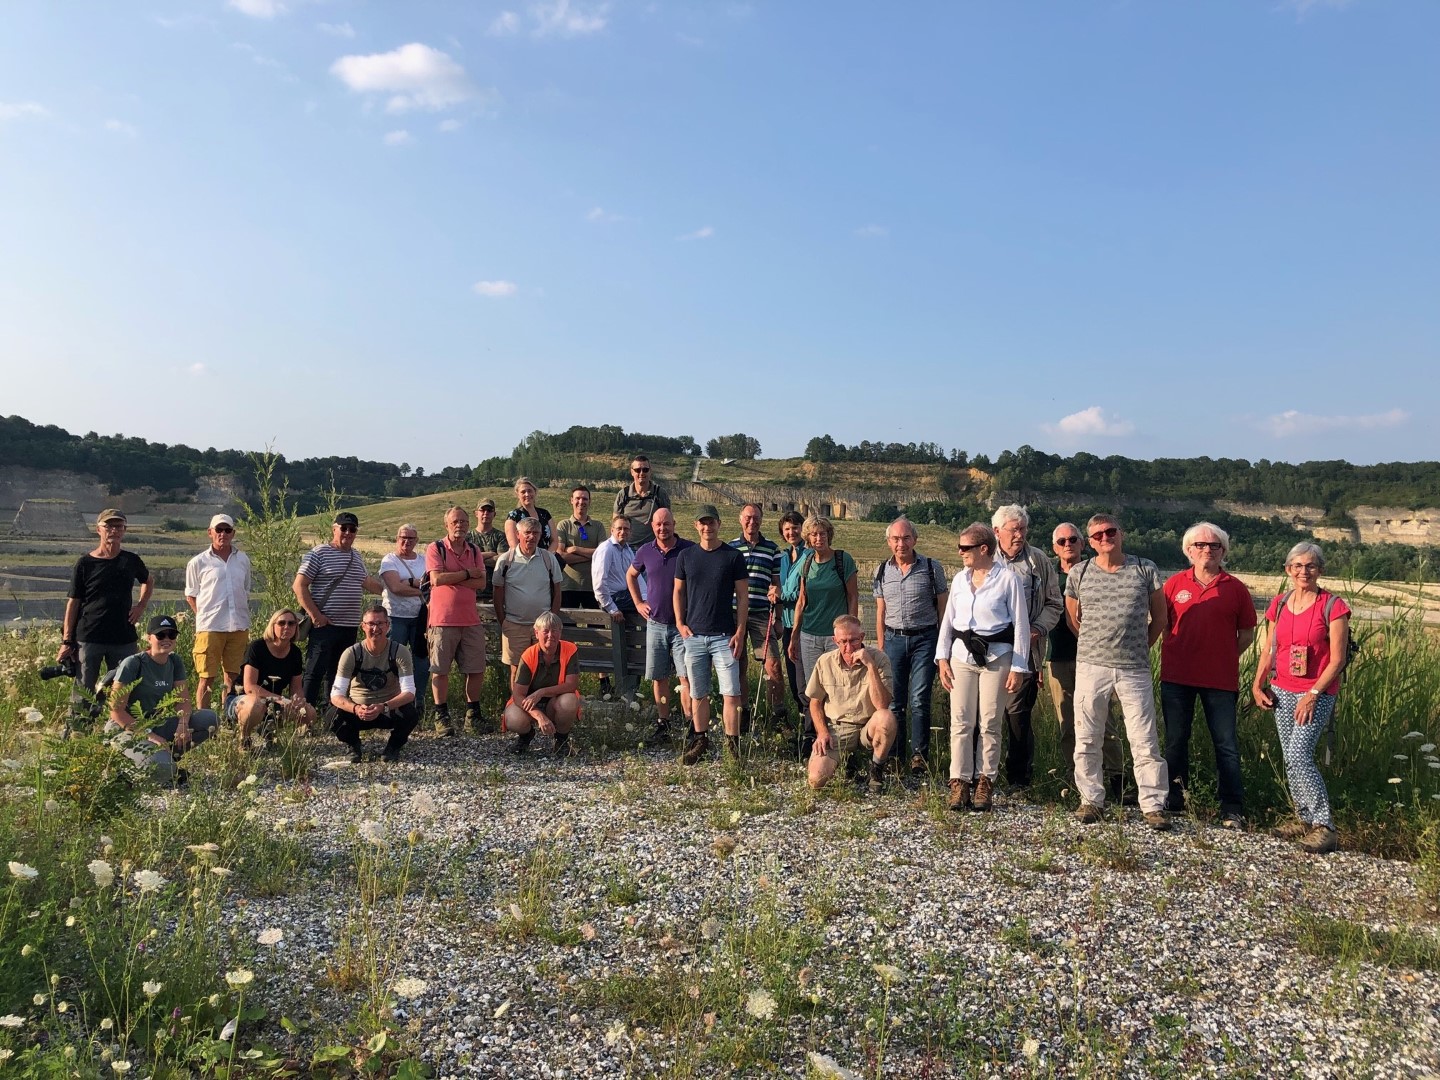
219	652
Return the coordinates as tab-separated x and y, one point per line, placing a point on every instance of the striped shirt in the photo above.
337	582
762	560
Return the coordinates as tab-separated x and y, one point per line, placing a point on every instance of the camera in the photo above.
69	668
372	679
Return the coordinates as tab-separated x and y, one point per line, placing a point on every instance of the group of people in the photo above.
709	606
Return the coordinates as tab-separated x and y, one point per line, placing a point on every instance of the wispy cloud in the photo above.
448	126
705	232
598	215
872	232
564	19
343	29
197	369
22	110
415	76
257	9
397	138
1090	422
1304	7
1292	422
504	25
119	127
256	56
496	290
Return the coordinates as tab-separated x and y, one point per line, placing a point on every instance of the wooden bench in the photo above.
599	648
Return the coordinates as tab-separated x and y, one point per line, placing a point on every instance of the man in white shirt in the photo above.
217	588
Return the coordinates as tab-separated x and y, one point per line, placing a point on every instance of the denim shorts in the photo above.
703	650
664	651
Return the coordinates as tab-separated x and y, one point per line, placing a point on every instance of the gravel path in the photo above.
619	915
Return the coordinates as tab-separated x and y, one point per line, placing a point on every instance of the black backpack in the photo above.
937	575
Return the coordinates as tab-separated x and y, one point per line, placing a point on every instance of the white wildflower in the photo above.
152	988
10	1020
51	806
240	977
1031	1049
26	950
1427	748
515	912
148	881
121	1067
208	848
6	1054
249	781
221	871
1401	757
273	936
889	973
760	1004
1395	780
31	715
1413	735
38	999
107	1024
614	1033
69	921
710	929
423	804
827	1068
410	987
372	832
21	872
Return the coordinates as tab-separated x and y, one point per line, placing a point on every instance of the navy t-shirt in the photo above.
710	578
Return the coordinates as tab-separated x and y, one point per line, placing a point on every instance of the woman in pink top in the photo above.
1301	654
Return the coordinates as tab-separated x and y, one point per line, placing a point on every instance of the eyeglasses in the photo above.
1208	545
969	547
373	625
349	528
166	635
850	641
1105	534
112	524
1305	568
1067	540
286	622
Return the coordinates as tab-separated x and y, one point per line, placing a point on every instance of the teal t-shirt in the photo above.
825	598
152	681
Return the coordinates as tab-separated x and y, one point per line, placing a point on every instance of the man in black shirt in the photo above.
99	624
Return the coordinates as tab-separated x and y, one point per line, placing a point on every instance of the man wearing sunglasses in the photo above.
1117	610
331	586
154	680
217	588
639	499
100	617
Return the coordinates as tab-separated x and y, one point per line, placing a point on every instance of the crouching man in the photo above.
374	688
545	694
155	681
850	691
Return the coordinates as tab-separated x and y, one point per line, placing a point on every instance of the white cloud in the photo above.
397	138
505	24
257	9
197	369
562	18
415	76
495	289
1292	422
600	216
872	232
343	29
449	125
1091	421
22	110
119	127
256	56
705	232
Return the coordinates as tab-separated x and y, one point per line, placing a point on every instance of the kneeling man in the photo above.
374	688
850	691
546	692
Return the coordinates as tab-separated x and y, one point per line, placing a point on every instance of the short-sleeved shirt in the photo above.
221	591
492	541
1114	612
1062	638
658	569
341	575
1309	630
762	560
1199	646
843	692
273	673
910	598
151	681
640	509
541	515
710	578
825	596
528	583
537	673
404	667
571	533
402	607
104	588
452	605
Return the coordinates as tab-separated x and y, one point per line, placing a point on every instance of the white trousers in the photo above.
1135	690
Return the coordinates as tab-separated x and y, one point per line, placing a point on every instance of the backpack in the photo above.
931	565
1352	644
425	584
835	562
358	649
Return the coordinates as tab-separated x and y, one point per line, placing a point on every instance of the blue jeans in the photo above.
402	631
1177	702
703	650
912	661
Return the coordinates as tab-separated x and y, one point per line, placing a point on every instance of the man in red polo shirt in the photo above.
457	572
1211	624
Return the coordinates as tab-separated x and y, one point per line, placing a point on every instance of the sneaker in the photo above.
959	795
1233	820
984	794
661	731
1089	814
390	756
1158	820
1320	840
563	747
918	765
697	748
876	783
522	742
1291	830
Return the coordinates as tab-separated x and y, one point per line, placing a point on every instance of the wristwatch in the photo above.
1313	692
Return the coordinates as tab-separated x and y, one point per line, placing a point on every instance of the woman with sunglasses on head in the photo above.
154	680
984	656
1304	647
271	680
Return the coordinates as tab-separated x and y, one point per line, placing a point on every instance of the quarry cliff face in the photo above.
72	495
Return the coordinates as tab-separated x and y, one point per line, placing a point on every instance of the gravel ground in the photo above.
616	914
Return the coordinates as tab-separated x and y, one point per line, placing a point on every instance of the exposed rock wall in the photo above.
20	482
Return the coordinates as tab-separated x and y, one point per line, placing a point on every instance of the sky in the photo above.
420	231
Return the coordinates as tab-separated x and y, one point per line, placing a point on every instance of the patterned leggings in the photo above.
1298	743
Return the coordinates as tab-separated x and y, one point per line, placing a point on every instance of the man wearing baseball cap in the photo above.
217	588
491	542
330	586
100	618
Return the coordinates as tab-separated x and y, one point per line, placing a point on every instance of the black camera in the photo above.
372	679
69	668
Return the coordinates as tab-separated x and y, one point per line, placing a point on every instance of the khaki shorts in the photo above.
217	652
845	738
755	633
515	638
462	645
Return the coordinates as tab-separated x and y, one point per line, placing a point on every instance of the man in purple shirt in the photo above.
664	647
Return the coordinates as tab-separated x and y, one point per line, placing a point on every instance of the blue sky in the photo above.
420	231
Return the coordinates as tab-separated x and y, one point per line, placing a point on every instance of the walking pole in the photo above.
760	683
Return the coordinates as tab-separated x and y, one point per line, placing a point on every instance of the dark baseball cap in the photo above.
161	622
707	511
345	517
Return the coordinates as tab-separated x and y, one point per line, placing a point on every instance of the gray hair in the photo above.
1306	547
548	620
906	523
1055	532
1102	519
527	525
1204	526
1013	512
407	527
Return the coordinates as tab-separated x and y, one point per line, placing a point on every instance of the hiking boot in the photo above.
443	727
563	747
959	795
1233	819
918	765
1089	814
390	755
1158	820
356	755
522	742
475	720
661	731
1320	840
984	794
697	748
1291	830
876	783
